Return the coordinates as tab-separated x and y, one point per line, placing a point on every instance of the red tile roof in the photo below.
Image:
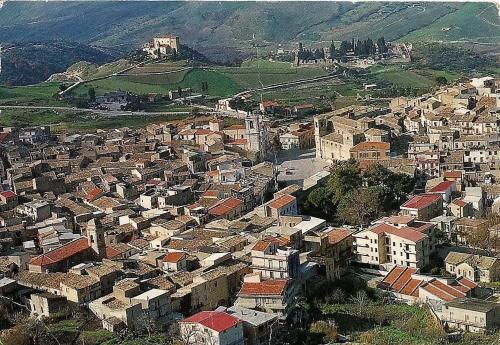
266	287
437	292
442	187
215	320
459	202
406	233
225	206
338	235
94	194
371	145
466	282
173	257
266	242
202	132
62	253
115	250
8	194
452	174
401	280
282	201
421	201
211	193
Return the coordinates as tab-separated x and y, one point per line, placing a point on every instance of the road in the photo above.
108	113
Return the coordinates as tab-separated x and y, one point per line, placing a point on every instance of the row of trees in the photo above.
311	54
350	197
359	48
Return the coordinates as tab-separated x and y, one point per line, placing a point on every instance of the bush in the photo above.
323	327
435	271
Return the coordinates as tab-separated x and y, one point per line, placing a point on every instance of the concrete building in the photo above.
212	327
478	268
385	244
273	259
471	315
423	206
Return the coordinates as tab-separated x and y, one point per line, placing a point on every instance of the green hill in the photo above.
30	63
125	24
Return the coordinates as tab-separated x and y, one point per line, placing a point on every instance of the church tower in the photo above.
95	236
256	131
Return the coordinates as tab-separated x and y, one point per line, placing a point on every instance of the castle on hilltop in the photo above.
162	45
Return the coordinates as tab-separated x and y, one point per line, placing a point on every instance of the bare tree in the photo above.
337	296
148	322
361	299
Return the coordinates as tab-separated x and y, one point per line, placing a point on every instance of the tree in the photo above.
337	296
91	93
332	98
345	177
319	202
441	80
361	299
333	52
360	206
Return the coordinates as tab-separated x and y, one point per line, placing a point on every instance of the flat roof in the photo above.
153	293
473	305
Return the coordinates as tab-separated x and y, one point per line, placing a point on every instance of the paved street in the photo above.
297	165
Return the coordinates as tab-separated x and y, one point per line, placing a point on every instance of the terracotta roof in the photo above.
459	202
8	194
401	280
202	131
335	236
442	187
215	320
211	193
371	145
93	194
225	206
115	250
266	242
62	253
266	287
421	201
406	233
174	256
452	174
283	200
466	282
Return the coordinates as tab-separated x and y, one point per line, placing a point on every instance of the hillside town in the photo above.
195	228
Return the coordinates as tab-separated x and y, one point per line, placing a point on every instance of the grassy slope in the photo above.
231	24
41	94
469	22
410	78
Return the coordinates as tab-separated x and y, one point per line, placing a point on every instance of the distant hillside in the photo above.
30	63
127	24
223	33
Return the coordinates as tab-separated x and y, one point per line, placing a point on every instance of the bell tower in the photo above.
95	236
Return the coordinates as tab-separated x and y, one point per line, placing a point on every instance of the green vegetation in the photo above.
354	198
40	117
218	84
40	94
233	24
450	58
77	120
472	21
